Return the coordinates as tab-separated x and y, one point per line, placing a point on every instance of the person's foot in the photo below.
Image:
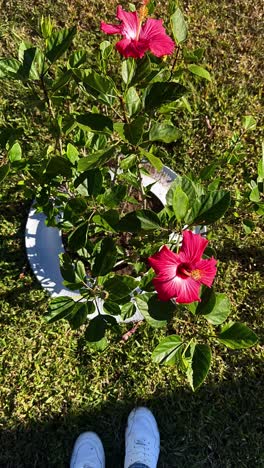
142	438
88	452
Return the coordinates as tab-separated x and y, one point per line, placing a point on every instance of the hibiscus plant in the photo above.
110	120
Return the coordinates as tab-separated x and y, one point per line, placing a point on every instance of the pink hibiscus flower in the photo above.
180	276
138	37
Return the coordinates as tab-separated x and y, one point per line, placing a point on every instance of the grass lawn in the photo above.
52	386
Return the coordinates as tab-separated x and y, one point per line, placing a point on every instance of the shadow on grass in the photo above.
219	426
250	257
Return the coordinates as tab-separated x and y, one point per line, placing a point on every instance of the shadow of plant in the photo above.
219	426
250	257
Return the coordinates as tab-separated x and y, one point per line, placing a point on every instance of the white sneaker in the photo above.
142	438
88	452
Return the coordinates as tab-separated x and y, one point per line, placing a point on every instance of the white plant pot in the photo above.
44	244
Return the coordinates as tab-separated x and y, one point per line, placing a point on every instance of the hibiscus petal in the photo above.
111	28
164	263
182	290
193	246
187	291
129	48
159	42
130	22
207	270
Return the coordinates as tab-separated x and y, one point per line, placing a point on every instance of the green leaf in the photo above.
95	122
215	307
58	43
108	220
199	71
60	307
128	310
24	45
32	64
128	70
193	55
119	128
170	108
77	58
4	170
154	161
9	68
95	333
237	335
192	189
117	288
106	48
78	238
143	70
79	314
105	257
128	161
77	206
61	80
199	365
164	131
58	166
46	26
132	101
168	350
15	153
146	280
72	153
249	123
157	313
179	26
96	159
139	220
113	196
248	226
67	268
254	194
180	203
111	308
162	93
192	307
89	182
130	282
261	166
101	87
80	271
213	207
133	131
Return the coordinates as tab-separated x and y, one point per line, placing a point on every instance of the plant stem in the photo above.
122	102
116	170
50	108
142	190
130	332
174	61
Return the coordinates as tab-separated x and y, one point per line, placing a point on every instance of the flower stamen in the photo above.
185	272
196	275
143	13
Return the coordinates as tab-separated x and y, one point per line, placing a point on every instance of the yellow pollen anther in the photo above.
196	274
143	13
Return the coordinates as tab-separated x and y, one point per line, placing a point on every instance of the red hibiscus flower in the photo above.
138	37
179	276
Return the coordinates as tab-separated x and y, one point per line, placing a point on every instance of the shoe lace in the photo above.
141	450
